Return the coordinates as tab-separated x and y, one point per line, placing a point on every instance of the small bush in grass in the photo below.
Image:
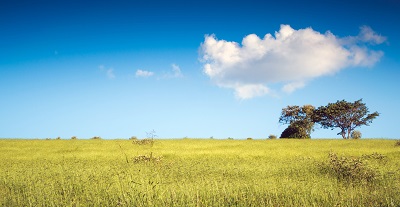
74	137
230	138
356	134
96	137
249	138
352	169
58	138
272	136
147	158
397	144
146	141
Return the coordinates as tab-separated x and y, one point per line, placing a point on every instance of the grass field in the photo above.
198	172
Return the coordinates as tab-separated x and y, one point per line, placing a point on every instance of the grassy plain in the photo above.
193	172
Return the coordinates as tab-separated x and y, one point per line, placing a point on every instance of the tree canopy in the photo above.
344	115
300	121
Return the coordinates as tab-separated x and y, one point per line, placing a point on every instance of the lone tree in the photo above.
300	121
344	115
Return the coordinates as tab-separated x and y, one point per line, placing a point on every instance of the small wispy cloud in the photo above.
109	72
143	73
289	57
176	71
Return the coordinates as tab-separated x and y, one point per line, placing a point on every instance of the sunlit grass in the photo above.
191	173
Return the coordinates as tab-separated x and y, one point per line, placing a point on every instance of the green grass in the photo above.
193	173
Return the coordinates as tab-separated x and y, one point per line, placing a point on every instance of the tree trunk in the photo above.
348	134
343	133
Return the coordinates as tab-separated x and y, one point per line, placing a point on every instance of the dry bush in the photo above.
146	141
147	159
352	169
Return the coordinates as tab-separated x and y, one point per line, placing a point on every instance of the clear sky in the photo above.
118	69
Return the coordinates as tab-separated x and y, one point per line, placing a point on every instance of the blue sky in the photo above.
117	69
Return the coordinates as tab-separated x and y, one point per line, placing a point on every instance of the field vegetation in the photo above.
199	172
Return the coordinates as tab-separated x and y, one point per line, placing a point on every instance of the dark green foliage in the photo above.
344	115
300	121
249	138
74	137
293	132
96	137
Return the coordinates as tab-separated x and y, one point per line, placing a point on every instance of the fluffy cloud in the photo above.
143	73
290	57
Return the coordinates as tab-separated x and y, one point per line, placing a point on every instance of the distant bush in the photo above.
133	138
95	137
249	138
271	136
74	137
397	144
146	141
230	138
48	138
356	134
58	138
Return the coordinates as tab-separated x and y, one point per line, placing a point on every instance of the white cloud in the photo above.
291	57
250	90
290	87
143	73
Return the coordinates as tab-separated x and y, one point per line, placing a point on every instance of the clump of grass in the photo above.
147	159
146	141
397	144
352	169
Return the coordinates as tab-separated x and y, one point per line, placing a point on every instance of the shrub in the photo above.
295	132
397	144
147	158
351	169
146	141
133	138
356	134
249	138
95	137
230	138
272	136
74	137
